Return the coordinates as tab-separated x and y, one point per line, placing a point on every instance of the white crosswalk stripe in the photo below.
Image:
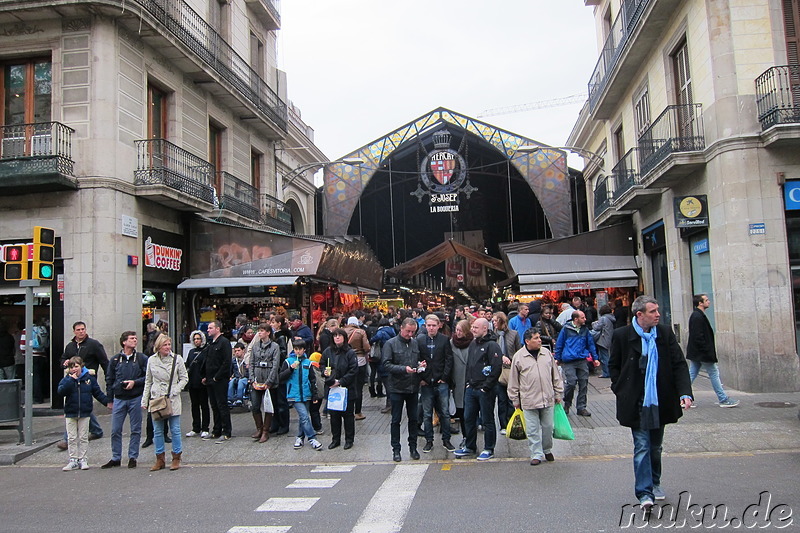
259	529
332	469
324	483
287	504
388	508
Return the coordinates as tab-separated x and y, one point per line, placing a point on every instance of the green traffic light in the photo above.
46	272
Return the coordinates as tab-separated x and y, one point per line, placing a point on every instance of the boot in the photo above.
265	426
176	461
372	393
159	463
259	425
379	389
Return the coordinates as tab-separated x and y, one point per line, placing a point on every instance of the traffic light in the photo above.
44	240
16	267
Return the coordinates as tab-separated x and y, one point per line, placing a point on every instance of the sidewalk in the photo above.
763	421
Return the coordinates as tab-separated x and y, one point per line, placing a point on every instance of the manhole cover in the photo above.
776	405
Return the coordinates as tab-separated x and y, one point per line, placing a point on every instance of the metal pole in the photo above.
28	425
510	206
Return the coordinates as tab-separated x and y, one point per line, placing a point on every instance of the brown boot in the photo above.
259	425
159	463
265	427
176	461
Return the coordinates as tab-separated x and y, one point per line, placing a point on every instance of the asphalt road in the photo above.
572	495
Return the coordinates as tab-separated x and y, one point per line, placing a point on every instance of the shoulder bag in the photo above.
161	408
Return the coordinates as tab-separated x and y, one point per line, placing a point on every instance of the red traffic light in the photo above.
16	252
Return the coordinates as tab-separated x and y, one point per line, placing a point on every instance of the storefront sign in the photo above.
164	256
691	211
700	247
791	195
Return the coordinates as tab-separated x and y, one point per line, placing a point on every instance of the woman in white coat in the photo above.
156	384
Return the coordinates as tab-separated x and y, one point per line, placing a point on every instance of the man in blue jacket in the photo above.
574	344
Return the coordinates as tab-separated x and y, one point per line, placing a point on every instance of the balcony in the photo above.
173	177
778	103
36	158
239	197
276	213
672	147
267	12
602	197
633	35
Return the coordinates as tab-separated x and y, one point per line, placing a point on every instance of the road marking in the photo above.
445	468
387	509
259	529
331	469
287	504
313	483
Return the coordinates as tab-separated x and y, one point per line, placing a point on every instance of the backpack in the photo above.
40	338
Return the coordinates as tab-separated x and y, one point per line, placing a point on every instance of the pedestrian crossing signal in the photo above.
16	267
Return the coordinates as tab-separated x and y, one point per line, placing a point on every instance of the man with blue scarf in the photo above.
650	379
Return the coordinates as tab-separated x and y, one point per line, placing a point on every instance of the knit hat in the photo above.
352	321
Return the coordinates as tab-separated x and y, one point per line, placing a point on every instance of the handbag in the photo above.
561	427
337	399
375	353
516	426
161	407
504	375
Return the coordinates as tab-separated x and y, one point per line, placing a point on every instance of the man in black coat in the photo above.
434	390
701	352
651	385
217	372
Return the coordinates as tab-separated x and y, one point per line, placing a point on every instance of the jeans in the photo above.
201	414
646	460
602	354
410	400
94	427
539	428
713	375
132	409
361	379
504	406
174	428
437	397
575	372
218	395
236	389
304	427
313	412
476	401
77	437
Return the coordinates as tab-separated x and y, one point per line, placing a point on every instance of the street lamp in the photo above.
297	172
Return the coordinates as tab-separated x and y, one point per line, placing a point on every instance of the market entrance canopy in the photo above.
440	254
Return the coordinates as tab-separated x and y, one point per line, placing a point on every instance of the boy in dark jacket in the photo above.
78	387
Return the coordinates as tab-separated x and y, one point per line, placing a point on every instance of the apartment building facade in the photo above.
694	108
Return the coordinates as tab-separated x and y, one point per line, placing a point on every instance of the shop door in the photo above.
661	285
701	271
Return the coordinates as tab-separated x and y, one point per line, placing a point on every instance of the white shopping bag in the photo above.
337	399
266	403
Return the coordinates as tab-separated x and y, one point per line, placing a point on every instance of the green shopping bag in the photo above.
516	426
561	428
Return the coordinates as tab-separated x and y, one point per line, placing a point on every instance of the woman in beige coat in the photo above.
156	383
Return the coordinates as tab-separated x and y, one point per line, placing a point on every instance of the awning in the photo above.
561	281
371	292
347	289
207	283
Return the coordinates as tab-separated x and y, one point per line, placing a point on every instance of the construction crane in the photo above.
556	102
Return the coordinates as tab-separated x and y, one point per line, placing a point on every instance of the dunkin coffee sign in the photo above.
164	255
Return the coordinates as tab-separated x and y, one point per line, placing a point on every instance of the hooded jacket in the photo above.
301	382
122	368
195	360
78	394
574	344
484	362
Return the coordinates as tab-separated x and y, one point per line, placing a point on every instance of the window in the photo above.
791	23
255	170
218	17
156	113
683	89
619	142
215	155
257	55
641	112
27	89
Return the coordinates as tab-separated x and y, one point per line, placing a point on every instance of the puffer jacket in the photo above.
534	382
156	382
397	355
265	363
301	382
78	394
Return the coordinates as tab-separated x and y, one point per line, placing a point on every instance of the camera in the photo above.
420	369
262	364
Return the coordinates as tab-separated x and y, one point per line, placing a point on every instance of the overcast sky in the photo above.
358	69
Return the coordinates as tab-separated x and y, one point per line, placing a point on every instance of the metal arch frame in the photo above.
546	176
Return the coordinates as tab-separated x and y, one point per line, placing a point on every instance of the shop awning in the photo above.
371	292
597	279
207	283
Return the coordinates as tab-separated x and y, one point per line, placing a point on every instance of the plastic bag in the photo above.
561	427
266	403
337	399
516	426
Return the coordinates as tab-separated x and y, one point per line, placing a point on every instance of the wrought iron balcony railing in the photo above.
778	96
162	163
621	29
602	197
626	173
239	196
190	28
276	213
679	128
38	141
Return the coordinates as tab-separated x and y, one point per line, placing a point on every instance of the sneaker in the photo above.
485	455
223	439
428	447
72	465
83	464
646	502
447	446
658	493
730	402
298	443
192	434
463	452
315	444
204	434
319	431
502	431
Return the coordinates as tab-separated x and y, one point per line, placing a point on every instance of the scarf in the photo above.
461	342
649	415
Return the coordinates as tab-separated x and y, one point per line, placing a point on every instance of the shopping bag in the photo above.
337	399
266	403
561	427
516	426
